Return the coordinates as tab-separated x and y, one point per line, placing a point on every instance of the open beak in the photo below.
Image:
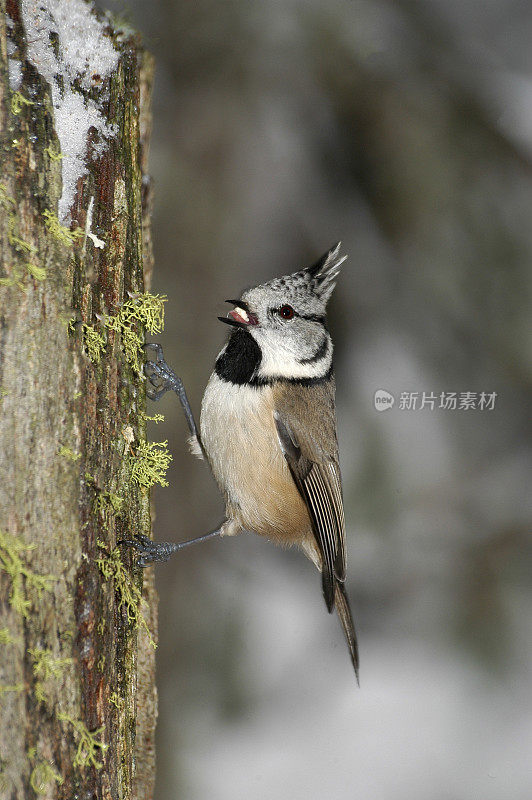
240	316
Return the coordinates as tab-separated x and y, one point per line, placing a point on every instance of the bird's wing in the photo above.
306	428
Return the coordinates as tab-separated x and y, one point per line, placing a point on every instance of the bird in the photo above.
268	427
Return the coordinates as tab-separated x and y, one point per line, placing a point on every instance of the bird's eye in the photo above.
286	312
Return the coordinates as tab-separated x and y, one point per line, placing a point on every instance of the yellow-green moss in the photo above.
93	341
39	273
14	280
88	745
66	452
45	666
58	231
146	310
18	101
42	775
129	594
18	274
6	637
104	501
53	155
23	580
107	501
116	700
16	687
7	202
154	418
18	244
149	464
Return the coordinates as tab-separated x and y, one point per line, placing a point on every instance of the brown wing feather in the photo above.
306	426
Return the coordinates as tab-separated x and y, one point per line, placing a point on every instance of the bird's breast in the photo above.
240	439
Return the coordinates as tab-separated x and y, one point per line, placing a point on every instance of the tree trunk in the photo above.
77	684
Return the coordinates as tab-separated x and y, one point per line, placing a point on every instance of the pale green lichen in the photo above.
18	101
89	747
39	273
59	232
42	775
23	580
15	279
154	418
94	342
21	247
45	667
101	664
18	244
116	700
6	637
112	567
144	309
107	501
66	452
129	594
149	464
7	688
7	202
17	275
54	155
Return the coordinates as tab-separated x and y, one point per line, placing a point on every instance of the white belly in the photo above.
240	439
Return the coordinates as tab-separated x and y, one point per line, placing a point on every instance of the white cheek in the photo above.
278	361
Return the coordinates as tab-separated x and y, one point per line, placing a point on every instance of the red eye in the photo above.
286	312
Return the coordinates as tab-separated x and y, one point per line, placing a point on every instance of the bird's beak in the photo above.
240	316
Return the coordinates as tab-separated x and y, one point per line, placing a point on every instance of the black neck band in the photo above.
240	361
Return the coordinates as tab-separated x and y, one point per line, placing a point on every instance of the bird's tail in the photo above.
344	612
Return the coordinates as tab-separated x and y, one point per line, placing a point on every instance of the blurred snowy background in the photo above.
404	129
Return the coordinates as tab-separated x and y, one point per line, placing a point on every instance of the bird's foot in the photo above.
160	375
151	552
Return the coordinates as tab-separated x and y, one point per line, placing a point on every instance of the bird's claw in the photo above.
150	552
159	374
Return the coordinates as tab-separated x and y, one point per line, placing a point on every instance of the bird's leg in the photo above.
163	379
151	552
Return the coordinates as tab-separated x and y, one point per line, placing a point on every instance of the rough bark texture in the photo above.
67	429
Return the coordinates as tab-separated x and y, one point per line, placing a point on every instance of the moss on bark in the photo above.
85	729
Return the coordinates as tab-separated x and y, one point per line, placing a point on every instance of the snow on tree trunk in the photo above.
77	618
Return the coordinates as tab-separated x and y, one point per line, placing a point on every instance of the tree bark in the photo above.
77	671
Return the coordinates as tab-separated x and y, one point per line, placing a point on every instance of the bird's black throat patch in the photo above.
240	360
